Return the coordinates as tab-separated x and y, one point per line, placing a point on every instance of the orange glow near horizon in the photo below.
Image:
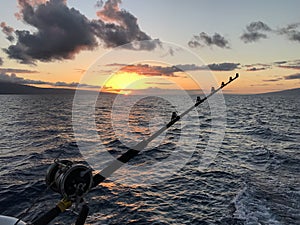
121	82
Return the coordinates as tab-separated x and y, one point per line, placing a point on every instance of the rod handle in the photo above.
48	217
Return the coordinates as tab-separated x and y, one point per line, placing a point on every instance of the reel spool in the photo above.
70	180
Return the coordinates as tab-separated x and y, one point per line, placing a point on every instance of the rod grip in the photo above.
48	217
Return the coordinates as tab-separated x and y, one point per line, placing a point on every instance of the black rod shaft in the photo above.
131	153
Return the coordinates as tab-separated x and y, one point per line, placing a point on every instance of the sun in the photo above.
124	82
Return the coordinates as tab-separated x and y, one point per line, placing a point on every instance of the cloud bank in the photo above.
171	71
62	32
293	76
294	64
13	78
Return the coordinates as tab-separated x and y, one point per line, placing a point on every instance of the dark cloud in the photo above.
74	85
19	80
62	32
254	31
258	85
223	66
1	61
99	4
292	77
12	70
291	31
214	67
273	80
295	67
257	30
8	31
203	39
253	37
253	69
116	65
13	78
257	67
151	70
280	62
258	26
293	64
118	27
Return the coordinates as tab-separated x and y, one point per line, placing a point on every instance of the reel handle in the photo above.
82	215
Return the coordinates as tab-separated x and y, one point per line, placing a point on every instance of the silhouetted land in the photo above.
295	91
20	89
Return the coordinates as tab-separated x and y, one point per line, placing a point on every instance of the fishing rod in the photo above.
74	181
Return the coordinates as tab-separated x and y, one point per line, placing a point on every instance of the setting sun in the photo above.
124	82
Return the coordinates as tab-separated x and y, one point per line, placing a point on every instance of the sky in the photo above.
126	46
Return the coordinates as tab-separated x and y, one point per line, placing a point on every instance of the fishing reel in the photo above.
70	180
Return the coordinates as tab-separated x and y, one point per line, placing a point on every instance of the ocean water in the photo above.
253	179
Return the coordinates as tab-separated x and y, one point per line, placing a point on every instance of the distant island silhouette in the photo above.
8	88
294	91
20	89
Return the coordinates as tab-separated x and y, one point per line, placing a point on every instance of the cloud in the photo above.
254	31
99	4
253	69
258	26
292	77
8	31
295	67
1	61
257	67
19	80
117	27
257	30
291	32
171	71
150	70
223	66
204	39
280	62
62	32
13	78
116	65
12	70
293	64
74	85
253	37
273	80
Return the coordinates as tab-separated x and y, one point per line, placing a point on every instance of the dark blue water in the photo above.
255	178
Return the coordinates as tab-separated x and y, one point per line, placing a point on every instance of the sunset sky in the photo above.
54	43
